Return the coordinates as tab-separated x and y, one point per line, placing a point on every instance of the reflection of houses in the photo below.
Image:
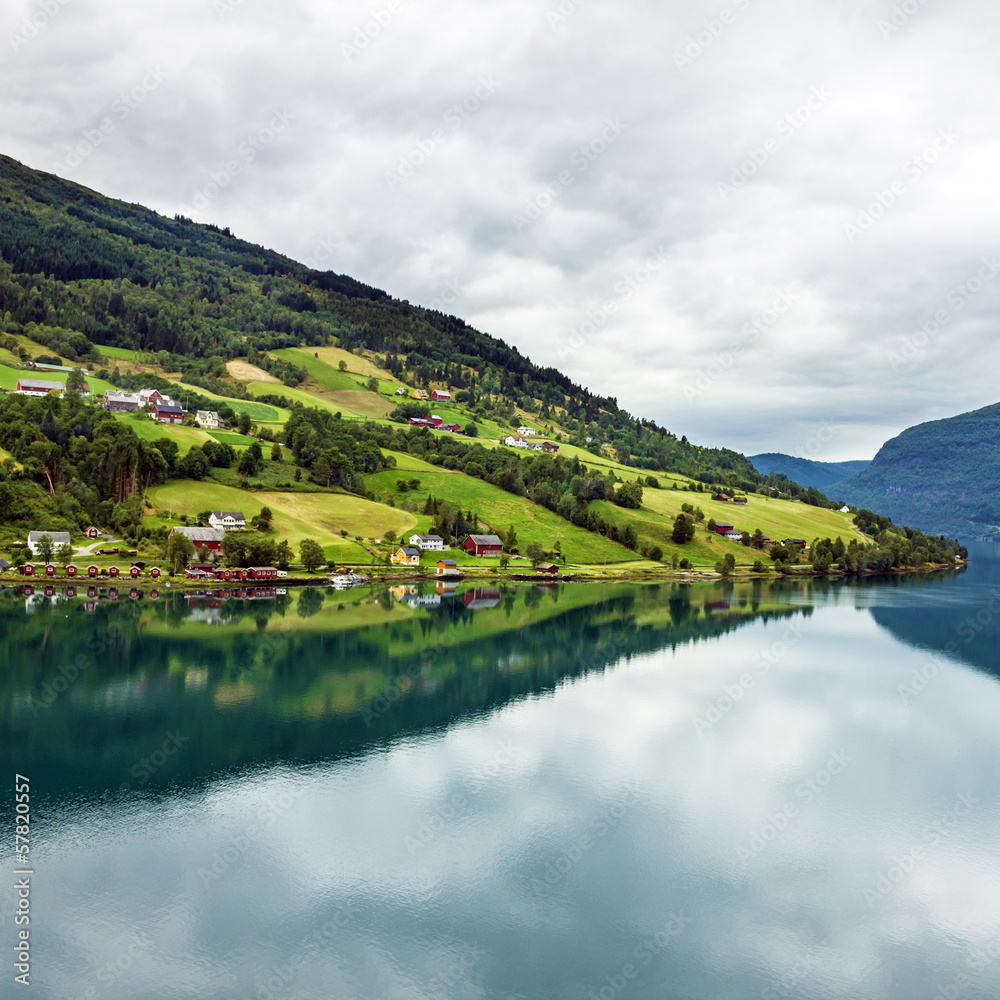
446	588
406	557
481	597
402	591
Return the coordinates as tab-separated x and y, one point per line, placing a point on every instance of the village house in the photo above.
428	543
515	441
721	529
734	535
228	520
203	538
799	542
41	387
436	420
58	538
448	567
454	428
742	500
406	557
550	568
400	391
209	420
550	447
526	431
441	396
419	394
483	546
121	402
166	411
149	396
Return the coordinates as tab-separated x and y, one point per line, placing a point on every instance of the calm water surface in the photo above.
523	792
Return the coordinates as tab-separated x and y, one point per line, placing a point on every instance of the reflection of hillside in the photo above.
254	683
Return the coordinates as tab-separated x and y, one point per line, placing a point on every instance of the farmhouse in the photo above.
549	568
550	447
483	545
526	431
406	557
800	542
735	535
37	387
167	412
208	420
429	543
454	428
515	441
419	394
58	538
228	520
721	497
203	538
721	529
441	395
121	402
400	391
436	420
149	396
448	567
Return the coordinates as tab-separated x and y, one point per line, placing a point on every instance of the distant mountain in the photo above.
943	476
805	471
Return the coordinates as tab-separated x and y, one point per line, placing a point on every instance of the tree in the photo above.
655	553
283	554
683	530
180	549
534	553
726	565
311	554
64	554
43	548
389	535
510	539
276	452
243	424
75	382
342	365
264	518
248	464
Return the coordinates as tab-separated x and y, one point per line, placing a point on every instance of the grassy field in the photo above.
297	516
123	353
502	509
150	430
261	413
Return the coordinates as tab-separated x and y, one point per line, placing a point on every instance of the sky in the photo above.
766	225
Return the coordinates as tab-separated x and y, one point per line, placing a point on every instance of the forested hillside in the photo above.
943	475
806	471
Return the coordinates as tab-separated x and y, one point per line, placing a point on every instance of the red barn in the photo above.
441	396
71	570
113	570
92	571
483	545
263	573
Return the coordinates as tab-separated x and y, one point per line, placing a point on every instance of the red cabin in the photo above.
155	572
28	569
50	570
93	532
113	571
71	570
134	572
92	571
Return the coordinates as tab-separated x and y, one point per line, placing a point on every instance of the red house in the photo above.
50	570
93	532
441	396
28	569
155	572
436	420
71	570
263	573
483	545
135	572
113	570
721	529
92	571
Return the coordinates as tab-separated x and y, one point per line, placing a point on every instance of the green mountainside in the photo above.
943	475
806	471
318	379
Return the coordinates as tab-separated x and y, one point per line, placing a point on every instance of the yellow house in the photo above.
406	557
420	394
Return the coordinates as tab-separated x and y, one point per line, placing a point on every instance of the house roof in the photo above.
409	552
487	540
446	562
238	514
58	537
162	406
34	383
429	538
202	534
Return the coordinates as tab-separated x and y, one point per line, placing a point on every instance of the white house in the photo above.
58	538
121	402
845	509
734	536
149	396
228	520
526	431
515	441
428	543
208	419
42	387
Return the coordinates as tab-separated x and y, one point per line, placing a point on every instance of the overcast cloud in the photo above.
663	200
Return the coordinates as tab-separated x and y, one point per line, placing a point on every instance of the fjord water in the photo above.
571	791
